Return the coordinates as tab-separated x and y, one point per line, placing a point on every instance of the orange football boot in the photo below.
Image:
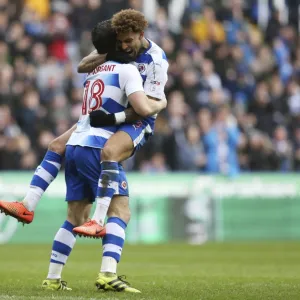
17	210
90	229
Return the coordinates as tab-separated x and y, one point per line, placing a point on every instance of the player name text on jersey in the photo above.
103	68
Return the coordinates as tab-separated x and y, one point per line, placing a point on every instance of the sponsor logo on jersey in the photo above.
137	125
155	82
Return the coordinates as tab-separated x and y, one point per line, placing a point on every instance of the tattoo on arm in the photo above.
131	115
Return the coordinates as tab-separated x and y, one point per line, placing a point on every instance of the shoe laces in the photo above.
122	278
63	284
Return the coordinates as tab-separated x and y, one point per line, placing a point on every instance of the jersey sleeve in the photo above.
131	80
156	79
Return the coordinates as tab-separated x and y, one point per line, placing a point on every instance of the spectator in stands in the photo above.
230	84
296	148
206	28
190	150
283	148
221	143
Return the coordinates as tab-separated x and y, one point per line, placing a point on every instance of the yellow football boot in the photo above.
109	282
55	285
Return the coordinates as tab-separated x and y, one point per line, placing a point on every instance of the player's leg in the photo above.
45	173
78	212
112	177
119	147
88	166
64	241
113	242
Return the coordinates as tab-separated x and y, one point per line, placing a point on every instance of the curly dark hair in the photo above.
129	20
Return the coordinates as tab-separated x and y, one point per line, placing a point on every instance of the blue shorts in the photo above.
139	131
82	174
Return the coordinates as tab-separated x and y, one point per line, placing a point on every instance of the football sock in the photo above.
113	243
107	186
44	174
63	244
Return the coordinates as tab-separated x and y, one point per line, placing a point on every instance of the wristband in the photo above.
99	118
120	117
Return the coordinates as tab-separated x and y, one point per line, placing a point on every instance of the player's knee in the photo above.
57	146
116	152
108	153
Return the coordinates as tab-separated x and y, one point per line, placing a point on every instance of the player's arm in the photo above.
131	116
99	118
90	62
142	106
153	87
145	107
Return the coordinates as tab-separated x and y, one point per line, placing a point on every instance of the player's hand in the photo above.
99	118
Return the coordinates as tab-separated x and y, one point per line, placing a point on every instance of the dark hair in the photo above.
119	56
104	40
104	37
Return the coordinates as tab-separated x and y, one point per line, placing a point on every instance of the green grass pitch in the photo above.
174	271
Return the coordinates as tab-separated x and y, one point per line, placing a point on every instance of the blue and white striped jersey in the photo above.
108	87
153	67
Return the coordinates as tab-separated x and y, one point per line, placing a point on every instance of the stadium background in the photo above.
222	167
217	166
233	104
233	114
233	89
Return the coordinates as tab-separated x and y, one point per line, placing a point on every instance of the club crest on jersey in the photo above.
124	185
137	125
141	68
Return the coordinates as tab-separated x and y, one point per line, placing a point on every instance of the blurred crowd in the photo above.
233	90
